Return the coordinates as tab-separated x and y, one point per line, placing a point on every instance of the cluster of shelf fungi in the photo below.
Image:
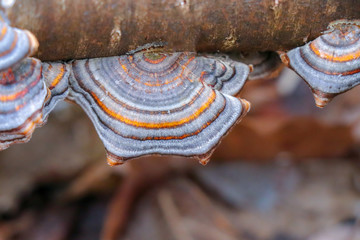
152	102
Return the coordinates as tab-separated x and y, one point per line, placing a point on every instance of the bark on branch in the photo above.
72	29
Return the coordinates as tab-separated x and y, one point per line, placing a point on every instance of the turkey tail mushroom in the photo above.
331	63
22	96
221	73
156	103
56	77
15	45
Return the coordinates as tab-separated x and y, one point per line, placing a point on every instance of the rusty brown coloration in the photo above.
73	29
321	98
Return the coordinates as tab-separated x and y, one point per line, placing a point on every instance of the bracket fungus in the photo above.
22	91
142	103
331	63
22	96
152	102
157	103
15	45
56	77
221	73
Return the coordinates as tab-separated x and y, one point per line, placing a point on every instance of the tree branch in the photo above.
72	29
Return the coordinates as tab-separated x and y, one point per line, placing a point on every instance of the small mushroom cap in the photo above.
266	65
331	63
222	73
15	45
22	96
155	103
56	77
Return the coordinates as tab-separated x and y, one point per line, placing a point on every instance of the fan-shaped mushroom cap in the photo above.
156	103
22	96
56	77
331	63
15	45
221	73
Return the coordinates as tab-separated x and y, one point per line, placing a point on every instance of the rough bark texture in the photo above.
73	29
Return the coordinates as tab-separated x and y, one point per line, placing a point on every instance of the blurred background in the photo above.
288	171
